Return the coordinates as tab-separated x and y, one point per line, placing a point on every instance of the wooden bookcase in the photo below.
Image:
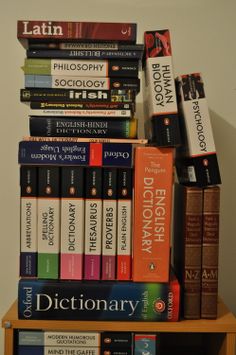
218	335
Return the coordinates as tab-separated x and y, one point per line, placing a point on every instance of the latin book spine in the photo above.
93	223
162	112
82	127
81	67
72	223
75	153
82	83
124	223
72	95
84	114
210	252
187	246
28	221
48	222
84	54
196	160
69	31
153	183
95	300
109	222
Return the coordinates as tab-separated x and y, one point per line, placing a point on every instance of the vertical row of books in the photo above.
81	180
177	116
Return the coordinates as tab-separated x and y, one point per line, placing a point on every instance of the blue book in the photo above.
73	153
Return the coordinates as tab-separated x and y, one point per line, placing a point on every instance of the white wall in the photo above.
203	39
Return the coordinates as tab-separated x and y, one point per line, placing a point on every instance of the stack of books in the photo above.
80	169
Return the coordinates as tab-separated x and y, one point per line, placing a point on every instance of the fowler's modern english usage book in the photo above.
98	300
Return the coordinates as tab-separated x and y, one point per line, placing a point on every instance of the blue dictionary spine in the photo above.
70	153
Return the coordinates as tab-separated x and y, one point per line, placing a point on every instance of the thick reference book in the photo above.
109	223
48	221
75	31
196	159
81	82
28	221
101	127
124	223
75	153
98	300
93	223
210	252
77	95
153	185
161	117
187	246
81	67
72	223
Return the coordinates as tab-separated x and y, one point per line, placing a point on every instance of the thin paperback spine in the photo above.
109	221
81	67
28	221
81	105
83	113
48	222
86	46
93	223
72	223
210	252
124	223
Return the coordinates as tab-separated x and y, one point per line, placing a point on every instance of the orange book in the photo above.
153	184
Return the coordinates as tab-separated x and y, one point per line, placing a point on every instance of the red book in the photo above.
75	31
153	184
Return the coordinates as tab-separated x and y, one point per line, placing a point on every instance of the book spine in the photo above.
85	140
37	338
81	105
80	67
153	182
28	221
62	350
67	30
200	166
93	223
86	45
210	252
145	343
109	221
72	95
75	153
187	246
160	88
82	83
72	223
48	222
84	54
82	127
124	223
83	114
116	339
95	300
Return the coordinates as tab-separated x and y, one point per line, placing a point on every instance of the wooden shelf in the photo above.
225	324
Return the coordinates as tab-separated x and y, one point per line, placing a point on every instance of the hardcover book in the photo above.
81	82
153	184
75	153
93	223
109	223
96	300
196	161
48	222
100	127
210	252
28	221
161	118
124	223
72	223
81	67
187	246
75	31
